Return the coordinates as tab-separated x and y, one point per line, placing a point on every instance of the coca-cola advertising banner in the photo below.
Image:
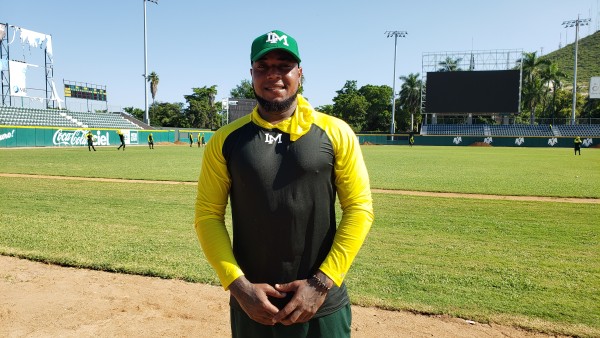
78	138
65	137
37	137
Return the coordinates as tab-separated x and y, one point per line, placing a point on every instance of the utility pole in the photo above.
395	34
576	24
145	75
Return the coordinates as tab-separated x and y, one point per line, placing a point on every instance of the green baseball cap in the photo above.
271	41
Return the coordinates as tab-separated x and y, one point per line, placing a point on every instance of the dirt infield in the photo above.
41	300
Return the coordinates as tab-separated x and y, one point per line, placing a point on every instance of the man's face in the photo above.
276	76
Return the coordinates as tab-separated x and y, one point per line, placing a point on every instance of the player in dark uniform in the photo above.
281	167
577	145
150	141
90	140
122	139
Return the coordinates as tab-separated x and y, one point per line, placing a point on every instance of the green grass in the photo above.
486	170
530	264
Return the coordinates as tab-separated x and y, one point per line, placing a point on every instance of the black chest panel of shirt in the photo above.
283	205
283	201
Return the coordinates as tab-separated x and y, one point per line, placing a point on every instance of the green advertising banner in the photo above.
64	137
11	136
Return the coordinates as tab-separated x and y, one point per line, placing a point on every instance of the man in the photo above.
191	137
122	139
577	145
281	167
90	140
150	141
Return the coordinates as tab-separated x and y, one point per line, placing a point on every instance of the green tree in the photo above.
153	80
534	89
326	109
591	108
378	114
135	112
553	77
166	114
410	99
243	91
351	106
202	111
449	65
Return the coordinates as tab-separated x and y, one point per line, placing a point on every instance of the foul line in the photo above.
376	191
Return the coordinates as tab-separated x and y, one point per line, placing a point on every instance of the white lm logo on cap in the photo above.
274	38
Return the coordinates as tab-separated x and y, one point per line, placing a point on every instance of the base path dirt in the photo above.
380	191
42	300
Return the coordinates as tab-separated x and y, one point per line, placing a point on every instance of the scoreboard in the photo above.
83	92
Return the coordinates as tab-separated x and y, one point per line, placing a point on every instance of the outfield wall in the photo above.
495	141
13	136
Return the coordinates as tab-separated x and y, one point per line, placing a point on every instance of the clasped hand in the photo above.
253	298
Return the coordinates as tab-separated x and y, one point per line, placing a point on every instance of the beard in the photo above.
276	107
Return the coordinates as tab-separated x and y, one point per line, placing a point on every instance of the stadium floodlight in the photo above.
395	34
576	24
145	75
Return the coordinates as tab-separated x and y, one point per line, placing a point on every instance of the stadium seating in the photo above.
18	116
583	130
520	130
453	129
33	117
102	120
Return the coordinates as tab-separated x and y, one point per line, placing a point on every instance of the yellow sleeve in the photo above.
211	202
354	193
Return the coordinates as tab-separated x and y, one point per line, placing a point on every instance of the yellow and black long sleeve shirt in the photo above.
282	182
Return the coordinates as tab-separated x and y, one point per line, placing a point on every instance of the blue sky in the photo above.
205	43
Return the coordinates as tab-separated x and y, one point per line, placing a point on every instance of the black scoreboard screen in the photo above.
82	92
494	91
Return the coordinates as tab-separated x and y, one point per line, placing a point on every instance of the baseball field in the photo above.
500	235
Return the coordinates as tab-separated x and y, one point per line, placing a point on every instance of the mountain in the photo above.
588	60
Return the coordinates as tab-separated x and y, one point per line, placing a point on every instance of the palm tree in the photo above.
410	95
533	84
153	79
533	91
553	77
449	65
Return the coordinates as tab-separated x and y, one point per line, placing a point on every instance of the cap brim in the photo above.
268	50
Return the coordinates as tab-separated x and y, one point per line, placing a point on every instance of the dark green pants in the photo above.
335	325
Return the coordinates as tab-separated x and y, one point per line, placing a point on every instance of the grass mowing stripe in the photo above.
134	228
484	170
536	266
474	260
381	191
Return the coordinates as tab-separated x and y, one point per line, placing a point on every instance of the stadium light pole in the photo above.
145	75
576	24
395	34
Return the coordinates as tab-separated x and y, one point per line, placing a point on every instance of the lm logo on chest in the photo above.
270	139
